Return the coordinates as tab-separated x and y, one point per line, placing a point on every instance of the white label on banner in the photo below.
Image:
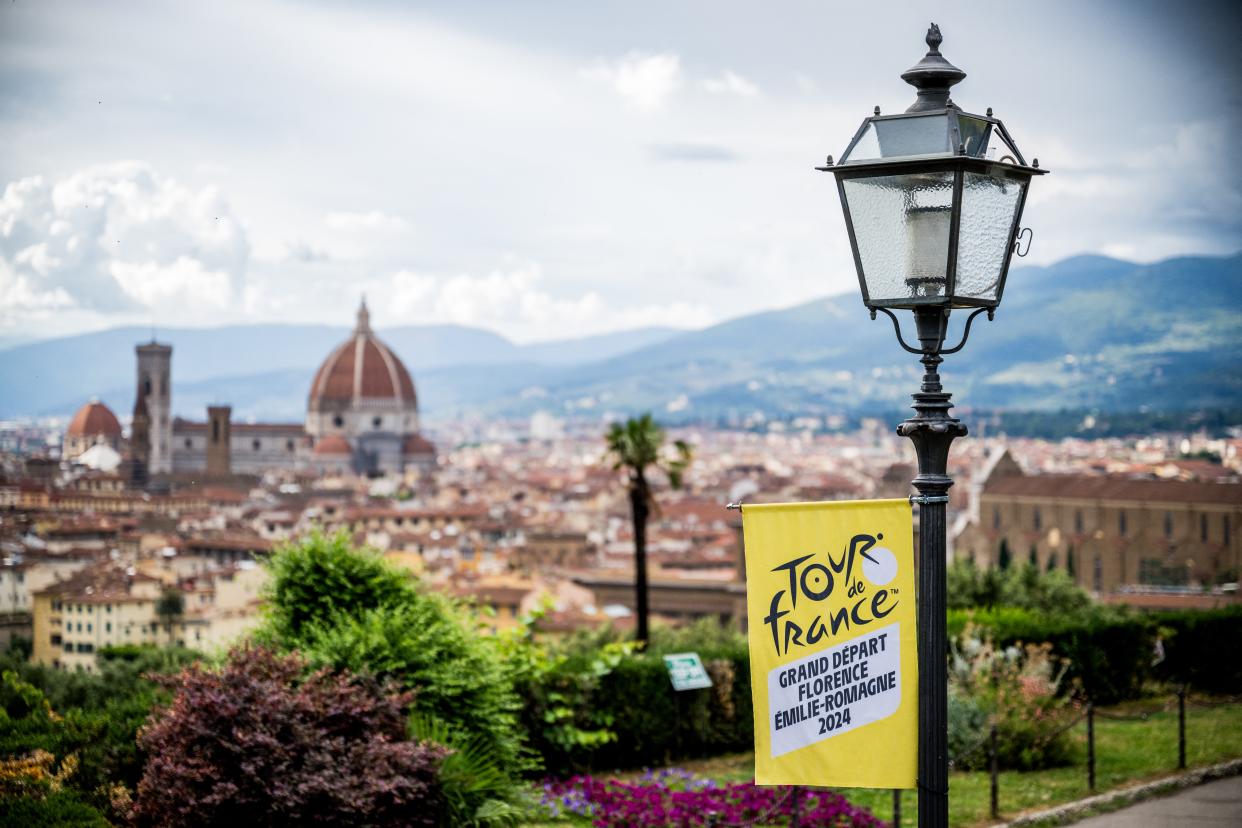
835	690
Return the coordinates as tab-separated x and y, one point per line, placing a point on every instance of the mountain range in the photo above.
1089	332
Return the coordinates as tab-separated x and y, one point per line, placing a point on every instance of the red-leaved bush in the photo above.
258	744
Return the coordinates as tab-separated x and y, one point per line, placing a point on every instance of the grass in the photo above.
1127	752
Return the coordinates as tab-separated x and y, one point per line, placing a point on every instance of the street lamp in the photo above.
932	198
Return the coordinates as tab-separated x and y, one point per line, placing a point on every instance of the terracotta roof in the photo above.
417	444
94	419
333	444
361	368
1111	487
181	426
102	582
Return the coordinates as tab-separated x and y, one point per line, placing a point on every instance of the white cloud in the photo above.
371	220
731	83
116	238
644	80
514	302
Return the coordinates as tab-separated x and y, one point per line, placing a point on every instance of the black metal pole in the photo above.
896	807
932	431
795	816
1181	727
994	767
1091	746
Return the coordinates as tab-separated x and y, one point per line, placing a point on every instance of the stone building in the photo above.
363	394
1119	531
362	416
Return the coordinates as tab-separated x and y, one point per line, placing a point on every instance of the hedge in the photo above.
1111	652
655	724
1201	649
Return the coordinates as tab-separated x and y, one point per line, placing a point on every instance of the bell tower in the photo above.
155	392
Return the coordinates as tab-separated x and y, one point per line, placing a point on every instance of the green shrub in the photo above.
634	699
1024	587
323	577
59	809
1198	647
97	714
1108	650
1017	689
968	728
350	610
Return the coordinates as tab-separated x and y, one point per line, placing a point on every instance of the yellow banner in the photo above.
833	665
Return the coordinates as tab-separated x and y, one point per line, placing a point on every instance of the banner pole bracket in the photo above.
923	500
734	507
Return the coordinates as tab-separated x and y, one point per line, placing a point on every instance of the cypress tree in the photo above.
1052	561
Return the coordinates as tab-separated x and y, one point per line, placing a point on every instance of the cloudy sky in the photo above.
550	169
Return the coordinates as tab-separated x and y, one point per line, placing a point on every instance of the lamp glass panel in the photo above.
989	207
902	138
998	149
901	225
974	134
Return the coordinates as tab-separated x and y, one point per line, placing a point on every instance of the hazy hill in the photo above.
1087	332
264	370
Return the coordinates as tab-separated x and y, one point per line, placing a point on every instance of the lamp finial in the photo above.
932	76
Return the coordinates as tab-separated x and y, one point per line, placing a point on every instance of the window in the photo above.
1097	574
1203	532
1121	522
56	639
68	647
288	445
108	627
1168	524
189	443
1038	519
377	422
338	421
215	431
255	445
89	628
1226	532
79	626
996	517
107	608
1078	521
85	647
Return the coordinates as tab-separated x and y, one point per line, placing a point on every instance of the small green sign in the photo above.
686	671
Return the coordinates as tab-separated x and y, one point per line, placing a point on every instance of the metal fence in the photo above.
990	742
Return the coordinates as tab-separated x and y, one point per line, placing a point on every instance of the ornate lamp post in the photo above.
932	199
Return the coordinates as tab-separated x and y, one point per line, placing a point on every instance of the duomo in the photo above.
361	417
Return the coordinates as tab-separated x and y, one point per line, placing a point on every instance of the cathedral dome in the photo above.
362	369
94	420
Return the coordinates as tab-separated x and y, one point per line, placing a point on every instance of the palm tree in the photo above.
635	446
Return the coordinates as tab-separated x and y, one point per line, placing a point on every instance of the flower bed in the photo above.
674	797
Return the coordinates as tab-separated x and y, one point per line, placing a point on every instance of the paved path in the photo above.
1214	805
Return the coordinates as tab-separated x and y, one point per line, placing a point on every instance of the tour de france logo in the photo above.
838	659
841	600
